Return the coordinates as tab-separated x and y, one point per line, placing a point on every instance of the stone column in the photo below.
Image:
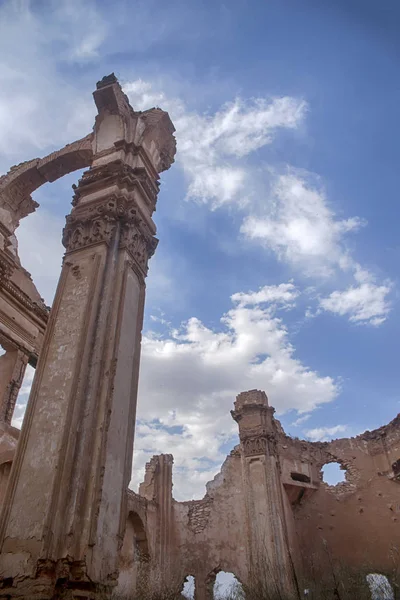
12	370
65	510
157	487
268	551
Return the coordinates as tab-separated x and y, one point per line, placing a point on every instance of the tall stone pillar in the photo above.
65	510
268	551
157	487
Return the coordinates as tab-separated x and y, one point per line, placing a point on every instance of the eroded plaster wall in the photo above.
355	523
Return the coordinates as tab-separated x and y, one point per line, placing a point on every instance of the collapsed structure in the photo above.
69	526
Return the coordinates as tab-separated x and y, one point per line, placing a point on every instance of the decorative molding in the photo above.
84	232
256	445
141	245
22	333
42	312
7	267
116	173
97	222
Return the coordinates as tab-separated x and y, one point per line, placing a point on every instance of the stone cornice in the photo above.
41	313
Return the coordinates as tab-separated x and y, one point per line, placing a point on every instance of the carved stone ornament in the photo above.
97	223
140	244
255	446
258	445
79	233
6	268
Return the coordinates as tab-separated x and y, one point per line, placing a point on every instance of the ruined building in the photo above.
69	526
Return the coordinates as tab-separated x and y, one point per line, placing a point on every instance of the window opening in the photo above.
226	586
379	587
189	587
333	473
23	397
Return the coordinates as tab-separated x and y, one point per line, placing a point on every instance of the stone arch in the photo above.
142	546
134	555
22	180
213	590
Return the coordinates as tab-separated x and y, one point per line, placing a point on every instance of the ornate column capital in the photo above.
113	213
256	423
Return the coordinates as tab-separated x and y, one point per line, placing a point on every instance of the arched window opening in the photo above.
333	473
189	587
15	381
379	587
23	397
227	587
140	537
134	557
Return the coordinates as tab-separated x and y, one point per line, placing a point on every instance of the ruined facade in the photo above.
69	526
269	509
83	398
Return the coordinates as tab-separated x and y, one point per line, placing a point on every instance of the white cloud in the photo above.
190	378
300	227
324	434
364	304
284	294
302	230
210	146
39	108
301	420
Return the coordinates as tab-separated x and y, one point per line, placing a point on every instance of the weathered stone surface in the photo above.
269	503
73	461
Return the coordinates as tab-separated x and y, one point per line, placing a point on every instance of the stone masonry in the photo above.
269	509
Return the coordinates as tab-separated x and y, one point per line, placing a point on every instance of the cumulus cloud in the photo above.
324	434
40	108
300	227
364	304
191	376
301	420
284	294
210	146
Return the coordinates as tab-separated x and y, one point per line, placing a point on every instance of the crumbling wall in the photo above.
356	523
211	533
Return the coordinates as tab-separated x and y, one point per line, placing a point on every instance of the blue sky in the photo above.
277	262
